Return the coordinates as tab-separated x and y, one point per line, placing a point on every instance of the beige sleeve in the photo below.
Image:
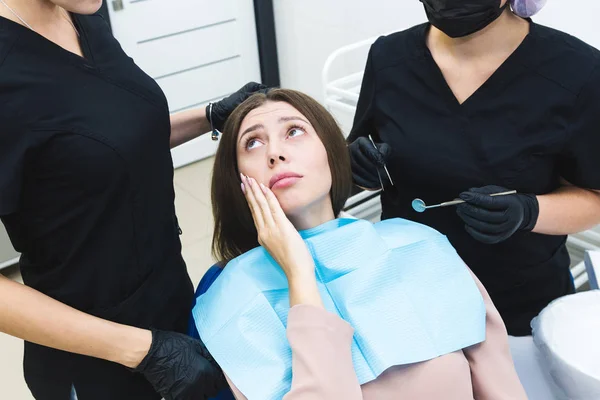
492	369
321	356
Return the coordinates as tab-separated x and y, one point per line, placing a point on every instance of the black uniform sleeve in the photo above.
13	149
580	160
364	119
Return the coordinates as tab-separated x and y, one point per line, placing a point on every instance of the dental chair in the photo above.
208	278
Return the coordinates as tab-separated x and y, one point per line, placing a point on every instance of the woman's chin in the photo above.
291	204
292	208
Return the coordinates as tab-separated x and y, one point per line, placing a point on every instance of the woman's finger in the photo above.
254	208
263	205
274	206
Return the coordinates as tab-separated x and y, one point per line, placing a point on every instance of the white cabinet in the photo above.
198	51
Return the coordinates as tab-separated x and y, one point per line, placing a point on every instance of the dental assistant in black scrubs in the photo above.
480	101
86	195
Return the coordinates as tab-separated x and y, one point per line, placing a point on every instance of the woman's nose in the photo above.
275	158
276	153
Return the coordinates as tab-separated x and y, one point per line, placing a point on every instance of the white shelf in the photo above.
9	263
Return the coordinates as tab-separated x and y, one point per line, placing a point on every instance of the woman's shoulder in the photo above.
93	21
210	276
99	34
562	58
561	41
404	232
391	49
8	37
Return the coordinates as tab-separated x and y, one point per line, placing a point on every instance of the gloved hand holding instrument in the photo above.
493	219
369	159
217	113
491	214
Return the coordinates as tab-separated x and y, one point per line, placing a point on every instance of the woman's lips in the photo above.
283	179
285	182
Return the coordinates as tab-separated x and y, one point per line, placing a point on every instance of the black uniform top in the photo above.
86	193
536	119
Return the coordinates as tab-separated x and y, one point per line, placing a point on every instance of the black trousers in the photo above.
92	378
50	374
519	307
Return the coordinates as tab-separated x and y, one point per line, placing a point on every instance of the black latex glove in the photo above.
368	161
181	368
222	109
492	220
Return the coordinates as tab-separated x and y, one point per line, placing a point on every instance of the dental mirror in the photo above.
419	205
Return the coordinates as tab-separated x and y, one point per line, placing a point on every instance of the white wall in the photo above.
309	30
576	17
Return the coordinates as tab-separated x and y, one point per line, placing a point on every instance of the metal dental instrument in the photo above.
215	132
384	166
419	205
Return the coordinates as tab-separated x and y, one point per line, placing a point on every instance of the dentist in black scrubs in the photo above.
479	101
86	195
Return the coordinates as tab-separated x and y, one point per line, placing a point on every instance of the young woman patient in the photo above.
282	168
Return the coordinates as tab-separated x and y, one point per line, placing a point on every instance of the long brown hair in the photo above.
234	232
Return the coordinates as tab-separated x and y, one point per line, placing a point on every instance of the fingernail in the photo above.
264	188
241	176
243	188
250	181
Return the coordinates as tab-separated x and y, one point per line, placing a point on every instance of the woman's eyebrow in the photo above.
261	126
287	119
251	129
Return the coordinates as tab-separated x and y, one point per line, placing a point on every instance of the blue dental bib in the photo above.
401	285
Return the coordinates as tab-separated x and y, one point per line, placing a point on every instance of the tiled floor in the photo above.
192	188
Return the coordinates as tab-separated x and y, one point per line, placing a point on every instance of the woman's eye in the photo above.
296	132
252	143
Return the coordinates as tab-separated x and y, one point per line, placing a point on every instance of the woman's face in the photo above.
278	147
84	7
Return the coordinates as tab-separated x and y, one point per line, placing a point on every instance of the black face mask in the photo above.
458	18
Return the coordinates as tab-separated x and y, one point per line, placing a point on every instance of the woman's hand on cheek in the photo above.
276	233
